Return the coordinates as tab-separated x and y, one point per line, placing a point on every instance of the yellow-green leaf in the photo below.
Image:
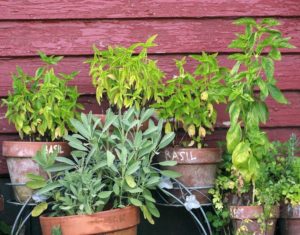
39	209
130	181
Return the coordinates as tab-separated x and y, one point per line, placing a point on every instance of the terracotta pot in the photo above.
112	222
19	161
101	117
144	127
198	168
290	220
246	217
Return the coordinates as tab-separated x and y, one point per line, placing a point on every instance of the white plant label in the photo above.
52	148
179	155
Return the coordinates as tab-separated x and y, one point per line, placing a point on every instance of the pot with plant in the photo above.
250	210
248	146
40	107
188	105
108	179
125	76
290	182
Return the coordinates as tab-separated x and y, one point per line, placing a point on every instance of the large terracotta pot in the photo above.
198	168
245	218
112	222
19	161
290	220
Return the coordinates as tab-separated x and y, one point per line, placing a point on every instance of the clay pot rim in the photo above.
102	116
32	142
69	217
252	209
287	211
198	159
7	146
193	148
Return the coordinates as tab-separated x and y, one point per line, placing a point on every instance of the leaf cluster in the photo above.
111	165
277	180
188	99
231	189
289	170
42	105
124	78
259	46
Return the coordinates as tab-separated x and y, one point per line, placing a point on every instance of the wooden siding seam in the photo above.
229	17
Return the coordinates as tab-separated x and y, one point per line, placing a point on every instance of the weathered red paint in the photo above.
183	27
77	37
285	70
91	9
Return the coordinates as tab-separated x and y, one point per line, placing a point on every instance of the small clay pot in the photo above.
244	219
112	222
198	168
290	220
19	160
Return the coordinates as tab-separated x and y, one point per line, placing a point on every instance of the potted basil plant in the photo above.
251	81
108	179
188	105
40	107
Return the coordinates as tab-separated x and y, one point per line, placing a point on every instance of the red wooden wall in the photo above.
69	28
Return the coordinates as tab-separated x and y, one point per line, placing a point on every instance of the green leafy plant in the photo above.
250	175
42	105
247	108
189	99
231	189
56	231
111	166
290	170
278	179
4	228
124	78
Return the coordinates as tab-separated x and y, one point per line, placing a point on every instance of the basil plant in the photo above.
42	105
111	166
189	99
251	81
126	76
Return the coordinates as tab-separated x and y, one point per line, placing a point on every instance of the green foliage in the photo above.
278	179
111	165
290	170
231	189
4	228
124	78
42	105
189	98
259	46
56	230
